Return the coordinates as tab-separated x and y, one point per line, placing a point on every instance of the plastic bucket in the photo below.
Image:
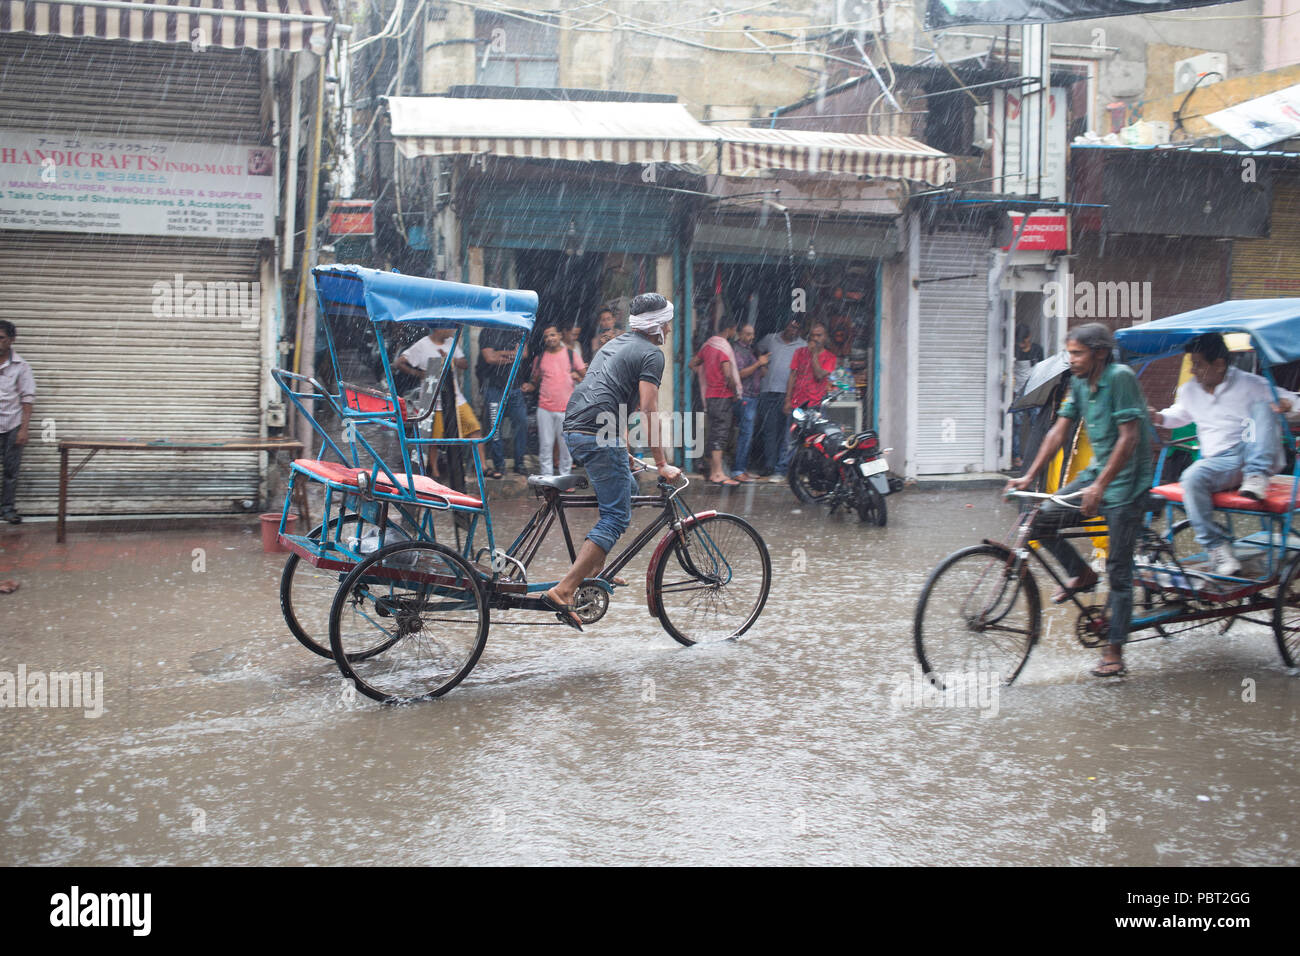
271	530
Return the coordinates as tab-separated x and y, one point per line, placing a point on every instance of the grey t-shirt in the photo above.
778	366
613	379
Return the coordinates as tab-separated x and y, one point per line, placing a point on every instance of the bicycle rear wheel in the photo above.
711	583
976	617
409	622
1286	614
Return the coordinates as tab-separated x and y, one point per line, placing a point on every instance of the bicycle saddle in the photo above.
559	482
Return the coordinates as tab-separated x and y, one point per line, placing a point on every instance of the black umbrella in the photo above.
1043	379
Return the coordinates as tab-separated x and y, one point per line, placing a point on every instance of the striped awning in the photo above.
747	151
289	25
580	131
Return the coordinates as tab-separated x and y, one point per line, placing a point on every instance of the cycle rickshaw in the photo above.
409	594
980	610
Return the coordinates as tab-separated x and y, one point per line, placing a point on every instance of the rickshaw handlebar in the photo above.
1063	500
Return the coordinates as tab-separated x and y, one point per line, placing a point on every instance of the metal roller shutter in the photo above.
952	350
1270	268
107	367
165	91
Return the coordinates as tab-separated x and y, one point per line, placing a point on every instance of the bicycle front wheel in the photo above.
978	615
409	622
711	583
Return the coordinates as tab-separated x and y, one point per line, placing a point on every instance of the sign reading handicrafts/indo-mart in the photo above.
96	182
940	14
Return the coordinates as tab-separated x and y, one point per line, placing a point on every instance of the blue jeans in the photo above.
1122	524
517	412
1224	471
773	425
746	411
610	474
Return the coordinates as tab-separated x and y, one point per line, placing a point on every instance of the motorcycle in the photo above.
831	468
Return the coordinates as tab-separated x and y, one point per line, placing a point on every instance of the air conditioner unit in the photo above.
1188	71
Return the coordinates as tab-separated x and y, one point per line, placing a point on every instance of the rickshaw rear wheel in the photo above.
409	622
1286	614
307	592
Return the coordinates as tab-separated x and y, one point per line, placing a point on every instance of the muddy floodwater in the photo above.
222	740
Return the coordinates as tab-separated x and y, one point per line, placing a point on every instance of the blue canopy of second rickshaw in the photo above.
394	297
1273	324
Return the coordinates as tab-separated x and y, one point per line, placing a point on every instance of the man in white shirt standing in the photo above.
1236	424
17	392
416	361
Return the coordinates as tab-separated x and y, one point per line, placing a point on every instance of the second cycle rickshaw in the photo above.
395	559
980	611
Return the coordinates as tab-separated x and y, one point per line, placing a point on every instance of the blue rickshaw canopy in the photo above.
394	297
1273	325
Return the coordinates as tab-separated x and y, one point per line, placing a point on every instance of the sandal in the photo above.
495	474
1085	586
1112	668
562	611
727	483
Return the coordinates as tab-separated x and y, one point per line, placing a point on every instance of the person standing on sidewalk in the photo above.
751	368
716	364
497	348
17	393
770	421
554	376
624	377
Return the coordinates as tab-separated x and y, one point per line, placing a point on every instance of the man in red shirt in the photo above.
721	389
809	369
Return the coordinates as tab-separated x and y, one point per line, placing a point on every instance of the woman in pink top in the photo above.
555	372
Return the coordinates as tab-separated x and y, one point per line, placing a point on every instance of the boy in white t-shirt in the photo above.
416	361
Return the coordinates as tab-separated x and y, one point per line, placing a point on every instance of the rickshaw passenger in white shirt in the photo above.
1236	424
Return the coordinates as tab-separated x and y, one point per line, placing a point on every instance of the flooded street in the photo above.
222	740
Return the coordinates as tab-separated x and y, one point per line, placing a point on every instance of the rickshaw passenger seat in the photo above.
1277	501
345	475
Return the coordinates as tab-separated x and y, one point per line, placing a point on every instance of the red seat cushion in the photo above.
1278	499
329	470
425	487
363	402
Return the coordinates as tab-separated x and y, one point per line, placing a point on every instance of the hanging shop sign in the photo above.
1007	137
352	217
950	13
1046	232
72	182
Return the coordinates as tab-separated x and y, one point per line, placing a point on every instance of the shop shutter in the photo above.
952	350
107	367
163	91
1270	268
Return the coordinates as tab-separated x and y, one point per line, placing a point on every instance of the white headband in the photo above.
652	321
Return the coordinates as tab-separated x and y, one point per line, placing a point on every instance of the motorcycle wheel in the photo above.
870	503
800	477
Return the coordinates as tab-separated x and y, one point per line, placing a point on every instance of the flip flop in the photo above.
8	587
729	483
1064	594
1110	669
562	611
495	474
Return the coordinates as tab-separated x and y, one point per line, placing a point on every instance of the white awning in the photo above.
581	131
648	133
289	25
747	151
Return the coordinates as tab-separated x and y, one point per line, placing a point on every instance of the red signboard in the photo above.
352	217
1046	232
